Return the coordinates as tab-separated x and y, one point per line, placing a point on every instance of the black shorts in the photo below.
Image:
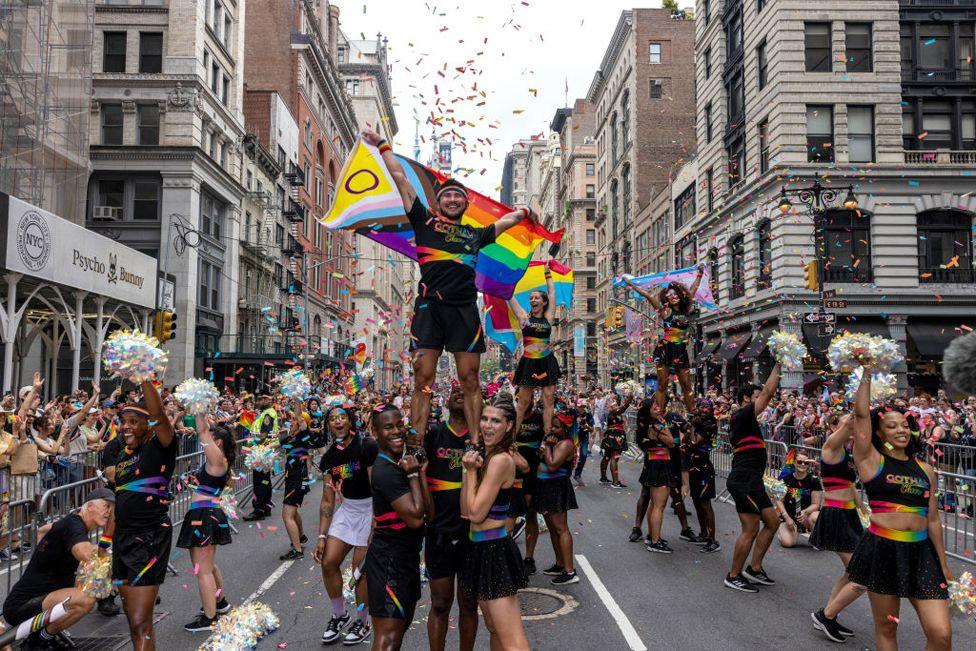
454	328
135	552
19	610
748	491
444	554
530	482
296	484
675	465
614	441
671	355
656	473
701	484
392	583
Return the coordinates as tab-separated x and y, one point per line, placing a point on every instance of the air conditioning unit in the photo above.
107	214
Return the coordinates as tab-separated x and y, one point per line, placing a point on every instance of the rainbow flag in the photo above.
500	322
353	384
368	202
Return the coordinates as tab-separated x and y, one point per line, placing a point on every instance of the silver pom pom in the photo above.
959	364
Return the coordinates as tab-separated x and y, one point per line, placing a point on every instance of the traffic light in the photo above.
618	317
810	280
164	326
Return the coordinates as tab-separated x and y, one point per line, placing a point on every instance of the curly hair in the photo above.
684	296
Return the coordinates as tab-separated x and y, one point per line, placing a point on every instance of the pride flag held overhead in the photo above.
502	325
685	276
367	201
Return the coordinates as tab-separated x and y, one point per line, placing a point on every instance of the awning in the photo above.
931	338
758	343
734	345
707	351
866	326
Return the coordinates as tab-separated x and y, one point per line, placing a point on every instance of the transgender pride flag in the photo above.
684	276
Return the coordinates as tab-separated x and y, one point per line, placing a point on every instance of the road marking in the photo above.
270	581
628	630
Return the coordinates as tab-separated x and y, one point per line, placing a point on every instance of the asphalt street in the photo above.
627	598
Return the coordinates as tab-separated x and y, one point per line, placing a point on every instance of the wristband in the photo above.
413	475
385	148
322	536
381	142
104	542
526	212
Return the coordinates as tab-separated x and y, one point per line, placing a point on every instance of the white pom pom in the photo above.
134	356
853	349
295	384
883	385
198	396
787	349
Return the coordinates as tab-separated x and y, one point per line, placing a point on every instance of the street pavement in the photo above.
627	598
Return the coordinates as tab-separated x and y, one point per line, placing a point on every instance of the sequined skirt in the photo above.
910	570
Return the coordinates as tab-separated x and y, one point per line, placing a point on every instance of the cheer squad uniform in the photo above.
347	467
838	527
745	481
657	458
205	523
672	349
698	459
296	466
143	531
393	557
445	314
445	542
537	367
528	441
554	491
493	566
615	436
892	561
676	423
799	495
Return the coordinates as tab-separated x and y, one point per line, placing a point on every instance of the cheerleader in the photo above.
205	525
538	367
555	497
674	305
902	555
838	527
654	438
614	441
493	571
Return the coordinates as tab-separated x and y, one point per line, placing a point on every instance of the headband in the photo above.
135	410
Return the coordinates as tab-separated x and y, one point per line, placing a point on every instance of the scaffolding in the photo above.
45	95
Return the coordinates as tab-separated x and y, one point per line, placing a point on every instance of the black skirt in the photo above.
910	570
554	496
614	440
837	530
542	372
516	507
656	473
203	527
493	569
671	355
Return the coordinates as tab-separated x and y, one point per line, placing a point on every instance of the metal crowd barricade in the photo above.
17	537
953	457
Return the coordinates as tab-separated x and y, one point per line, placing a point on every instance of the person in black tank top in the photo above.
614	441
205	525
493	571
555	497
902	555
654	438
537	368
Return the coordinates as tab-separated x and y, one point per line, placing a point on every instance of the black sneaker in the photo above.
843	630
108	607
519	528
710	547
292	555
254	516
739	583
659	547
62	641
201	623
529	564
334	630
635	534
827	626
757	576
222	607
555	570
303	540
358	632
618	484
565	578
690	536
604	480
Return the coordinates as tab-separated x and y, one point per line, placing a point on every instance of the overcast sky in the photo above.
496	67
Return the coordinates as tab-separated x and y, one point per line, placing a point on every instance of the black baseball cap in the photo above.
100	494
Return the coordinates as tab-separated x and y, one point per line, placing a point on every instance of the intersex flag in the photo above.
501	323
685	276
367	201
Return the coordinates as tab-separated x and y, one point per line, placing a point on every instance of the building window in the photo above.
708	122
591	262
625	178
685	252
590	236
590	191
591	305
625	119
218	17
737	268
341	55
209	286
760	5
657	89
148	124
225	90
945	250
764	279
223	154
860	134
590	214
847	241
707	10
858	39
214	77
935	44
590	169
111	124
737	161
150	52
211	215
816	40
710	189
591	282
318	190
613	139
684	207
655	52
352	86
763	146
145	200
111	194
737	97
227	28
113	52
937	125
708	62
820	134
761	64
734	34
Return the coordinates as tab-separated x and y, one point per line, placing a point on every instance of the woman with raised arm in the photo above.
493	571
537	367
205	525
614	441
674	305
902	555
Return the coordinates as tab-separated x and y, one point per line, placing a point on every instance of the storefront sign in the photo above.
44	246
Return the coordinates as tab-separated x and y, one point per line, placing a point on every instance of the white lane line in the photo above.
628	630
270	581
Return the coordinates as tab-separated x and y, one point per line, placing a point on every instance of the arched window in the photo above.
847	244
625	119
945	247
613	208
625	175
317	326
613	139
764	258
737	267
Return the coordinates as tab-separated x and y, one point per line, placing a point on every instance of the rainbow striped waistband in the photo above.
898	534
484	535
658	454
881	506
204	504
839	504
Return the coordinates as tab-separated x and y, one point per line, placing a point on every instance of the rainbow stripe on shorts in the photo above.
484	535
